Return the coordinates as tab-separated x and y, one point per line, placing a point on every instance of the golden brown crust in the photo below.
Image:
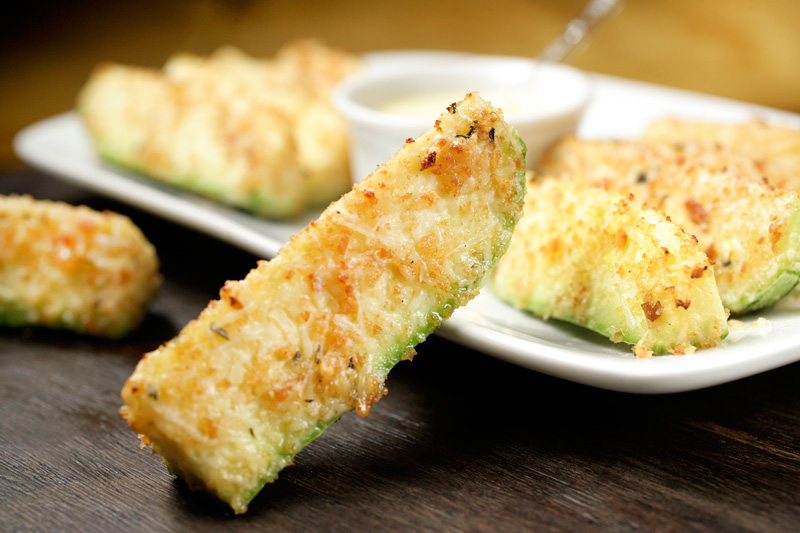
719	197
602	260
73	267
774	148
261	135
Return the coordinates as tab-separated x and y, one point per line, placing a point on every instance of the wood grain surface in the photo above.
463	442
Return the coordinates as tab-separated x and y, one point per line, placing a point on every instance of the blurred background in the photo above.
743	49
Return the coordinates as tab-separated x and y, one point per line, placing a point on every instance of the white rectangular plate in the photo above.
619	109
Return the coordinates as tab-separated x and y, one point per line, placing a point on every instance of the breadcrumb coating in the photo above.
71	267
603	261
260	135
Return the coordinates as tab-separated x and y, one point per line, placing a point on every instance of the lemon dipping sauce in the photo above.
403	93
430	105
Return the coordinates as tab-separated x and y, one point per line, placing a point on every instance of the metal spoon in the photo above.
576	30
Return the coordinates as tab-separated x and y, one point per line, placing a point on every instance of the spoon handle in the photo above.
578	29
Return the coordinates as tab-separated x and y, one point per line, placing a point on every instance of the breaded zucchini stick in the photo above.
298	82
750	230
244	157
630	162
313	333
71	267
775	148
603	261
261	136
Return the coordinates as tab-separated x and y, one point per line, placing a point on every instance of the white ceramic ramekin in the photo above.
542	101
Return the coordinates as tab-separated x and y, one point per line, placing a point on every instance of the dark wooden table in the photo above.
463	442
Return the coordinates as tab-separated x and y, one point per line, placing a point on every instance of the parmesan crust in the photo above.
71	267
750	230
603	261
260	135
774	148
313	333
